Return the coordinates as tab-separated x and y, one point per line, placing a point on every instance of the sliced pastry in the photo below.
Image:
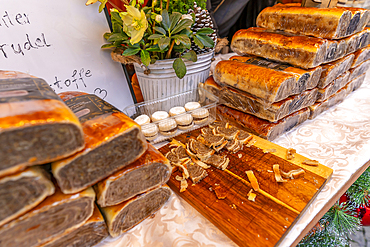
196	172
200	150
211	140
217	161
228	133
221	146
218	124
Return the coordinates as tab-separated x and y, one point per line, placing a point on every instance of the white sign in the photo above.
60	42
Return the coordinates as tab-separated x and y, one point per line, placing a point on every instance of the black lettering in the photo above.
88	73
2	49
18	17
27	19
43	37
10	21
74	79
29	44
19	49
4	22
81	73
56	83
67	82
38	43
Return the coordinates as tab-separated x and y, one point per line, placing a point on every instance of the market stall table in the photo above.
338	138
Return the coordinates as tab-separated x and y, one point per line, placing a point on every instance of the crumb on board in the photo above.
270	150
251	196
290	152
310	162
220	192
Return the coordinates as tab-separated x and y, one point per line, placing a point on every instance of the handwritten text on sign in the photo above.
60	42
8	21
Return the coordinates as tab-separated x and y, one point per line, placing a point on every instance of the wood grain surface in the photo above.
277	206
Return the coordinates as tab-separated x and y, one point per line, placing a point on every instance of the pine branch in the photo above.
359	192
341	219
322	236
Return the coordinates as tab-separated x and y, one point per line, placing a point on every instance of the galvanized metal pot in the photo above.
163	82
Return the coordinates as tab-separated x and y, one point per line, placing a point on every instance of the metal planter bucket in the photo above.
163	82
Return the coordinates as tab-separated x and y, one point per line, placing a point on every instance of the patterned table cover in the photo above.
339	138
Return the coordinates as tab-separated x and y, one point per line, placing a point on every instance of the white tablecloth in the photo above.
339	138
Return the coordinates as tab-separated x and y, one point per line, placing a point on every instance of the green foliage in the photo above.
340	221
168	34
182	6
334	227
323	237
341	218
179	67
359	192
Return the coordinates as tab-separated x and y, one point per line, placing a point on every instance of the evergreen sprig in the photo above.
323	236
334	227
341	219
359	193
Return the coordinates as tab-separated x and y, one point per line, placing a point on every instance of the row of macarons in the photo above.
167	123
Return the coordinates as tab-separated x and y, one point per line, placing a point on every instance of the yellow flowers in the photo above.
134	23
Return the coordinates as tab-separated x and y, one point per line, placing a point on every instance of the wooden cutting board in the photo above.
277	206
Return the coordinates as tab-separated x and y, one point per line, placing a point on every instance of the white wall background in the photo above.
60	42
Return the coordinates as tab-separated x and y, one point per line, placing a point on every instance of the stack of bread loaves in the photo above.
97	154
298	62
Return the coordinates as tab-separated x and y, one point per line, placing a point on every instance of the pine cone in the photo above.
202	19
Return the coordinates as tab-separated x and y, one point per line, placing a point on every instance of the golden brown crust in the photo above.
263	83
24	115
302	51
98	131
306	77
328	23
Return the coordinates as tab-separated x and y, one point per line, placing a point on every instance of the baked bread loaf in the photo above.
360	17
359	70
55	215
357	82
333	87
302	51
151	170
330	71
329	23
269	111
89	234
260	127
23	191
124	216
361	56
306	78
336	98
113	141
36	127
263	83
357	41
